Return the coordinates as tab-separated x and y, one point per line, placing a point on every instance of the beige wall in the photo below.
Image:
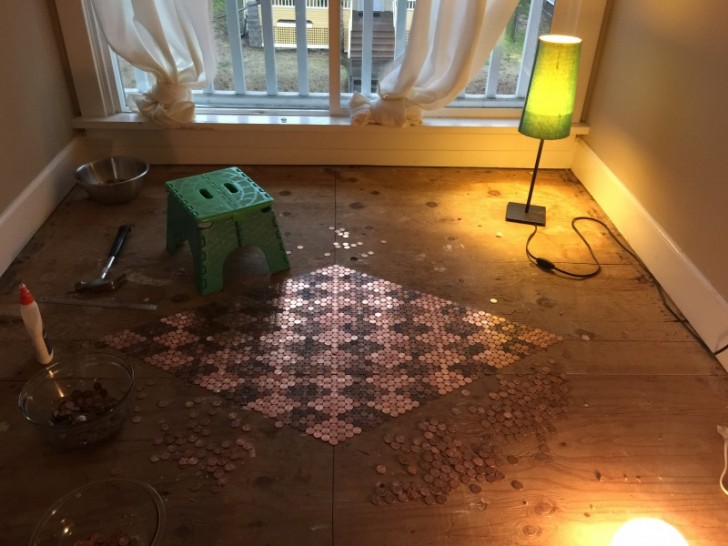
658	120
35	107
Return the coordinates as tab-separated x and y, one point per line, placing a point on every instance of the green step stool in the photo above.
216	213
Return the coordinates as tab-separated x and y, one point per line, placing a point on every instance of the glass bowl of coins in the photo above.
80	401
113	512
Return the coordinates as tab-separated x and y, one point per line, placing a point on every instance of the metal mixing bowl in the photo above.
112	180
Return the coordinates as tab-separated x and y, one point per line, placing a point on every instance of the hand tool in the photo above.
102	283
98	303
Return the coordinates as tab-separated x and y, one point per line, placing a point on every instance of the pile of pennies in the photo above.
82	405
442	457
115	538
191	447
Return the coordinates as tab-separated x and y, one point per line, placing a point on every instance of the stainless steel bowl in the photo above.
112	180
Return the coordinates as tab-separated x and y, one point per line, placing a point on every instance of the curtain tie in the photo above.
167	104
393	112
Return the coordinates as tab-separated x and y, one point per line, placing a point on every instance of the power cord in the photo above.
551	267
723	431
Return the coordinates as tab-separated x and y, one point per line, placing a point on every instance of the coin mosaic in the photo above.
332	352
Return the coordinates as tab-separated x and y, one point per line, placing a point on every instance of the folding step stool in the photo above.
216	213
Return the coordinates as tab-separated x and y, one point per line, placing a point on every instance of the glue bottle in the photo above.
30	314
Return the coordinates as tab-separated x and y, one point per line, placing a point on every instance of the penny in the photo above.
475	488
516	485
381	469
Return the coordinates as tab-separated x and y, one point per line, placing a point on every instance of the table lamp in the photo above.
548	109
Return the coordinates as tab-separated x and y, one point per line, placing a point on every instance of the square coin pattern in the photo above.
332	352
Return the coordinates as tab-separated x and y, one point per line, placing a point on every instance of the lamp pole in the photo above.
533	176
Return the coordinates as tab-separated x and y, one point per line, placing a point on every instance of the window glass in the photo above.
255	74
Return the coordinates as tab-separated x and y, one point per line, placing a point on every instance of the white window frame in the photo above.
94	70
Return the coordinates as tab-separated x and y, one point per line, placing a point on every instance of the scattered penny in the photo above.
516	485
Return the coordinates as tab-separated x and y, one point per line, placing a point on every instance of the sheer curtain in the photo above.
171	39
449	42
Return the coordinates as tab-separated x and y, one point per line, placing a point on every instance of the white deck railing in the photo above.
276	24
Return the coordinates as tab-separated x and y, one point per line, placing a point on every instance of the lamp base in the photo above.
516	212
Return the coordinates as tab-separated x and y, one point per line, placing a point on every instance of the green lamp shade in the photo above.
550	99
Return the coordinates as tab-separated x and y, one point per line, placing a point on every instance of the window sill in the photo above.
231	122
216	139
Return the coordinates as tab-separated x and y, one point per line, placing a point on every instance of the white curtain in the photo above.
449	42
172	40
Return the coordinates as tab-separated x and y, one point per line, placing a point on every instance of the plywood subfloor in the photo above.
633	432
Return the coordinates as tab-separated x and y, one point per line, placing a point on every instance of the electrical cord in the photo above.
551	267
723	431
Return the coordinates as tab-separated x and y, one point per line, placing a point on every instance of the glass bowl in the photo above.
113	511
79	402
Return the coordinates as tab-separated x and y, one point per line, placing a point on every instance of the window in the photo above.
277	55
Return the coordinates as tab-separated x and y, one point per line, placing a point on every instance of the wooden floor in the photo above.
638	437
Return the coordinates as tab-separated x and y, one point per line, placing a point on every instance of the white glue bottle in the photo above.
30	314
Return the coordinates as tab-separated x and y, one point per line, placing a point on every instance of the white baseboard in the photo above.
697	299
27	212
